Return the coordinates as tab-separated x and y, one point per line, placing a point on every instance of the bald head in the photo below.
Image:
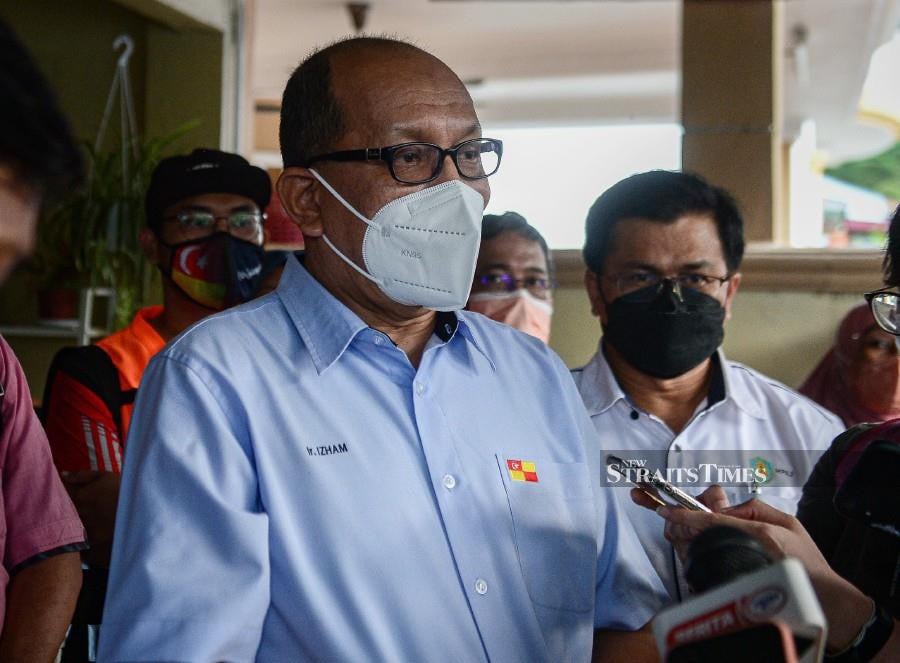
331	90
351	97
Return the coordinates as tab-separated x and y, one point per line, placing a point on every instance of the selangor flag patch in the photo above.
522	470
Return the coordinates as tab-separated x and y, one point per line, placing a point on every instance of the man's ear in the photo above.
299	192
733	284
595	294
150	246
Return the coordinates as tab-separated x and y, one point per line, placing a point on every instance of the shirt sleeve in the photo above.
82	432
37	511
189	578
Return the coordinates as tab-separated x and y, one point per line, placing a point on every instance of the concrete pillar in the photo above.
731	105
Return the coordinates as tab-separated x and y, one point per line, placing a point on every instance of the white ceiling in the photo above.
539	61
587	61
842	35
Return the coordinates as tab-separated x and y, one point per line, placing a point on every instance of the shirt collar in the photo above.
471	334
604	391
327	327
736	391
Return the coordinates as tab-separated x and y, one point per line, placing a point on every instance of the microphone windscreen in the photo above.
721	554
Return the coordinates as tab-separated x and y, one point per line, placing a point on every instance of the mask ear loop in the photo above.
340	199
351	263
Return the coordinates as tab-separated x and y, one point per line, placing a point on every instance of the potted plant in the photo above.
90	239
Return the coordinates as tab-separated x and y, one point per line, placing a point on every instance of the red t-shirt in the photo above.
84	434
37	515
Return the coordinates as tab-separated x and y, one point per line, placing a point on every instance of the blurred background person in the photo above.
40	533
514	275
859	377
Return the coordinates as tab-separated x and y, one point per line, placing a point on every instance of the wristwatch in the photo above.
871	638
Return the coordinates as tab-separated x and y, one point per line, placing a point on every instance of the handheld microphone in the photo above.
721	554
747	607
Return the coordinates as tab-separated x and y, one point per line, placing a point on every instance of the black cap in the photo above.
204	171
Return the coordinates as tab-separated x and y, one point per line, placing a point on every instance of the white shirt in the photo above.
747	421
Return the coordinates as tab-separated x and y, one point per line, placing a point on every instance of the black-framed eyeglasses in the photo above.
539	286
418	163
884	304
195	223
639	279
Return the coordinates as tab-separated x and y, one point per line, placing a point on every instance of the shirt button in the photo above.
420	388
481	586
378	340
449	481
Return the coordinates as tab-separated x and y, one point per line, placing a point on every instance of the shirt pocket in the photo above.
555	531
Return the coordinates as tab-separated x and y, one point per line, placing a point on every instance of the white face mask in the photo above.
421	249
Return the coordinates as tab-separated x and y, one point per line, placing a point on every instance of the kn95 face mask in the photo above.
420	249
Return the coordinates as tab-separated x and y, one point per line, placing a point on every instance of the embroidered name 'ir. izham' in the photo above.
327	449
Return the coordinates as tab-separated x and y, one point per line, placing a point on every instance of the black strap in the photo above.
127	397
874	635
93	368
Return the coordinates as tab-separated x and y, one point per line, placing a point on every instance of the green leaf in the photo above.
91	237
880	173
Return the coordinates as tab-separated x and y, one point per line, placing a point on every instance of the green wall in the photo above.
184	84
72	43
176	75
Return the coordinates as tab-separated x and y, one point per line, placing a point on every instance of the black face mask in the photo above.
664	335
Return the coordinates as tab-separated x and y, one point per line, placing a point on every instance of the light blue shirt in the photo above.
294	489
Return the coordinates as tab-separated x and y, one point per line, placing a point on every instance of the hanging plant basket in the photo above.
91	238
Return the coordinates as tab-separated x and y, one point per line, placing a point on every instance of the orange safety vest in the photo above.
131	349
